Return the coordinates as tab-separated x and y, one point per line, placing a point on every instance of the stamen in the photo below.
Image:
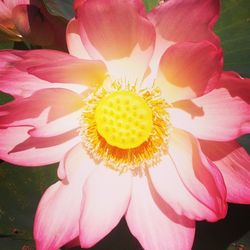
125	128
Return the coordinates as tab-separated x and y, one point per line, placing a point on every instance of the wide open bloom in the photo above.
29	20
141	117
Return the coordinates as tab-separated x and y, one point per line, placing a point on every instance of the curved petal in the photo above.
154	223
188	70
117	33
201	177
183	202
42	108
19	148
234	163
51	229
74	42
106	197
222	115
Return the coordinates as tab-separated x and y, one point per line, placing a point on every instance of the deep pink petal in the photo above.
200	176
106	197
117	32
188	70
176	194
74	42
58	213
154	223
234	164
222	115
19	148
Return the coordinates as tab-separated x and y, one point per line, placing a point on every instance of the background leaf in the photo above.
150	4
233	28
60	8
20	191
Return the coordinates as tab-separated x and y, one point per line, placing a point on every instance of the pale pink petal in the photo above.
222	115
106	197
117	33
188	70
19	148
199	175
234	164
58	213
58	126
74	42
43	108
176	194
154	223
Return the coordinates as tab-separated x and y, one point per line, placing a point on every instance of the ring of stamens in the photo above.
112	132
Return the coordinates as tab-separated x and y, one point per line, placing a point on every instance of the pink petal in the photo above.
52	229
189	20
222	115
60	67
234	164
154	223
12	3
86	72
19	148
74	42
200	176
43	108
58	126
118	33
183	202
5	12
15	79
33	25
188	70
106	197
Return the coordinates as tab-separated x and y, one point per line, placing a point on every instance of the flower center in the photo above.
124	119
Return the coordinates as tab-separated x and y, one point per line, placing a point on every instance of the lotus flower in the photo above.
29	20
141	117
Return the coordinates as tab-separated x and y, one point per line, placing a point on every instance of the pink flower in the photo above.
29	20
141	117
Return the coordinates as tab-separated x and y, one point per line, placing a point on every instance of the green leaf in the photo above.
150	4
60	8
6	44
20	191
233	28
5	98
